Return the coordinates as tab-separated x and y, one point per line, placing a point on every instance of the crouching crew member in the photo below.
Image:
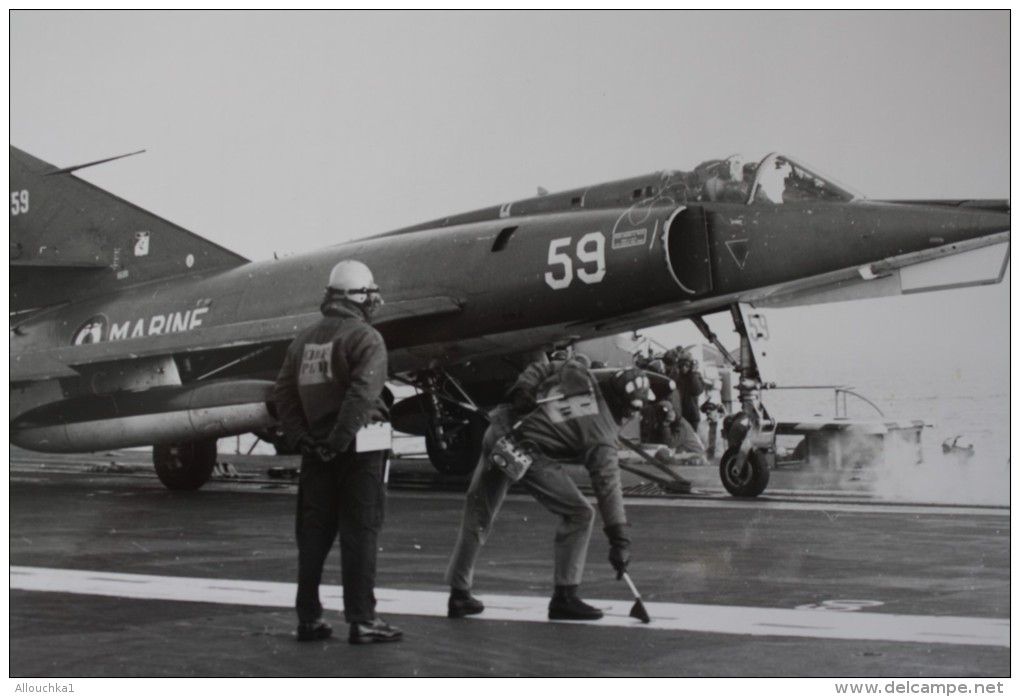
331	387
559	412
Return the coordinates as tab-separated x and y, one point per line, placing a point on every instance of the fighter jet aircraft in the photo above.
127	330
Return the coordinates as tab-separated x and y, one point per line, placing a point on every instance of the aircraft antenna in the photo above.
72	168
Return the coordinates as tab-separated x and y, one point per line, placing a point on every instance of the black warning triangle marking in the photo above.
739	250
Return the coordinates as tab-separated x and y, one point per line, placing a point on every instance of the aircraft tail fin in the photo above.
70	239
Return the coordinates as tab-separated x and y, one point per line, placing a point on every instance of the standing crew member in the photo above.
559	412
689	386
329	389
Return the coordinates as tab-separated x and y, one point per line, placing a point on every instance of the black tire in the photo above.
464	447
186	466
748	481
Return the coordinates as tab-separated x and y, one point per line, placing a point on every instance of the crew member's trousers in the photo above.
685	437
346	496
546	480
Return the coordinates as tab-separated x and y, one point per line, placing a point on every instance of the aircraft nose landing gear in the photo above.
750	433
744	467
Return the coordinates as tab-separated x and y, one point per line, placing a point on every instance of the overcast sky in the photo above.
281	132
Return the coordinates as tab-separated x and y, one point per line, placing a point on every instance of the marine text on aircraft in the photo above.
159	324
95	329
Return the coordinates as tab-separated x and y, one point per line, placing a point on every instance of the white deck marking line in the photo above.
720	619
764	503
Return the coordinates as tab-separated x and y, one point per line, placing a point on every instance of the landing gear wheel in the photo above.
749	480
186	466
463	446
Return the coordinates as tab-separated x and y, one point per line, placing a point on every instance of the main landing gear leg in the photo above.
454	429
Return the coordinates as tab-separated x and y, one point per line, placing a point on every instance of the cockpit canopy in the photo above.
776	179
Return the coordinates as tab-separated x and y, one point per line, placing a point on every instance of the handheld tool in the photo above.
638	611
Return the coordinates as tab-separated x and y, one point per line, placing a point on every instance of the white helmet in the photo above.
353	281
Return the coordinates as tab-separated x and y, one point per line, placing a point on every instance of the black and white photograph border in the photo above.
182	183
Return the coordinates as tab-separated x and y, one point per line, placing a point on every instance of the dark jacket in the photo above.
589	435
332	380
689	386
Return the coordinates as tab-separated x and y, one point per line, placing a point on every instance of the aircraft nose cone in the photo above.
968	222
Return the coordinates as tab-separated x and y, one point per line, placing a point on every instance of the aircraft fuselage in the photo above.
513	285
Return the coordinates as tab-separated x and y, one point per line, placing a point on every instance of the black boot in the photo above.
314	631
374	632
462	604
565	605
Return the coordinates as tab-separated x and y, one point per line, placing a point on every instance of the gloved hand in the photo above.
320	450
324	452
619	545
306	445
523	403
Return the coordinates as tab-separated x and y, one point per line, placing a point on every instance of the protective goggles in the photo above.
371	295
357	291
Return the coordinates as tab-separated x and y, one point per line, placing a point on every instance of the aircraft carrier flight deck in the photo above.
112	575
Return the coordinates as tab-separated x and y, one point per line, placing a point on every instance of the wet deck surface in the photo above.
112	576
